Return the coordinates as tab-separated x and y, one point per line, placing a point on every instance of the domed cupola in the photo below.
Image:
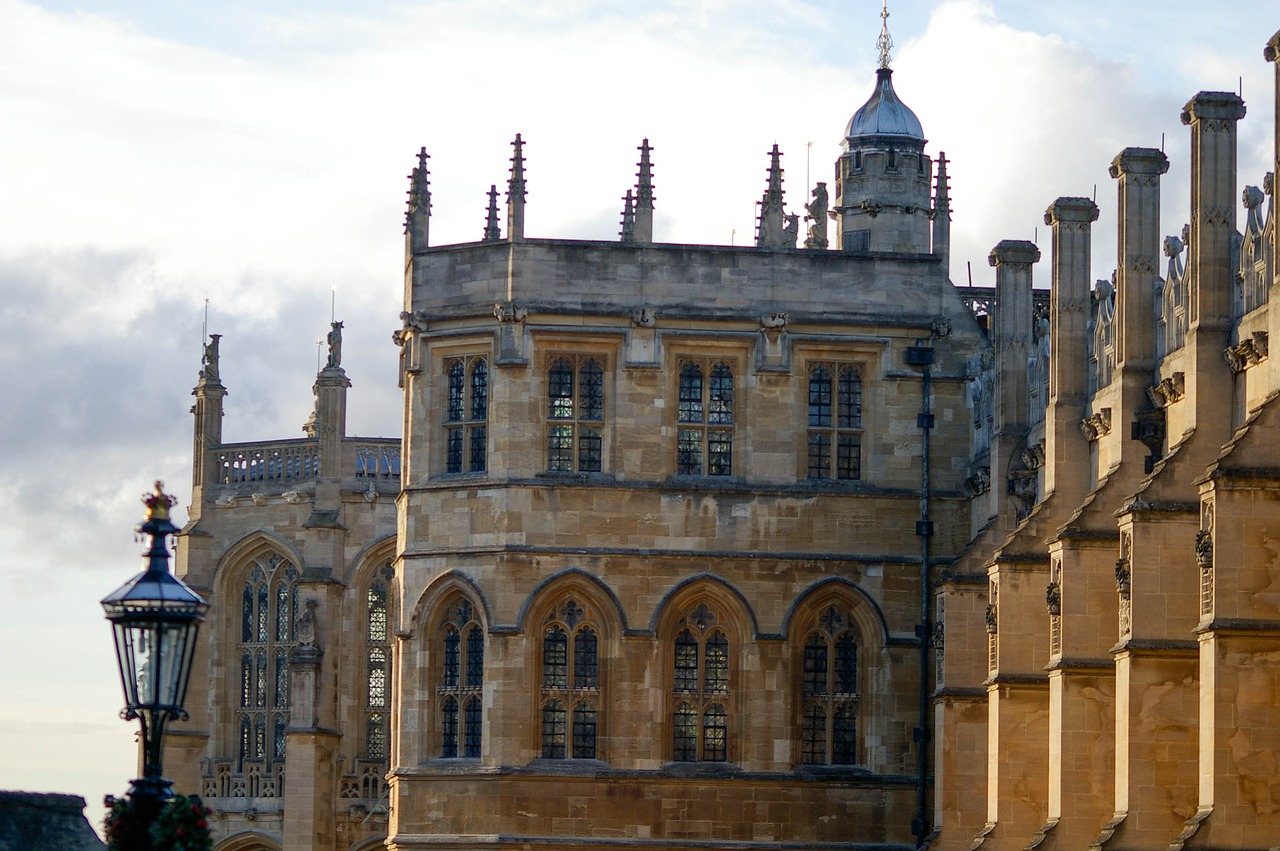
884	115
883	177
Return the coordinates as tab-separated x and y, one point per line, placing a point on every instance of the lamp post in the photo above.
155	618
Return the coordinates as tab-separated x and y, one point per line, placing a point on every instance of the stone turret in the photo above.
777	229
418	219
209	394
883	176
942	217
516	193
642	211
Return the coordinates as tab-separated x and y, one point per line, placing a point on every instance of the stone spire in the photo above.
418	217
209	394
492	233
775	227
628	232
516	193
330	391
942	216
644	196
884	44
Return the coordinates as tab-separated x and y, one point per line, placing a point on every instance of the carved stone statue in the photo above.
209	361
335	346
304	629
791	230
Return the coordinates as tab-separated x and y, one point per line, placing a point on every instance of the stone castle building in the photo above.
790	545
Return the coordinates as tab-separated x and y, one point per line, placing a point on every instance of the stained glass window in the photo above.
461	681
569	717
829	691
701	674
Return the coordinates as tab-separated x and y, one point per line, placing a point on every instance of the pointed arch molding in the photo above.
434	595
251	546
371	557
718	587
867	612
564	582
249	840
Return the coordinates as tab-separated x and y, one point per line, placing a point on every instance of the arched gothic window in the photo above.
701	687
570	682
377	682
467	415
268	608
704	438
835	422
461	681
575	414
829	691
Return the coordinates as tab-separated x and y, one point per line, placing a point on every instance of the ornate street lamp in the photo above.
156	618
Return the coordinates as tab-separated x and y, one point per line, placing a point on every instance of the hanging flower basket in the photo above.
181	825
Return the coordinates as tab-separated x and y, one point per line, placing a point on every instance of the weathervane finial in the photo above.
884	42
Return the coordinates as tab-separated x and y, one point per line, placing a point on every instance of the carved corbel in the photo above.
1053	597
1096	426
1122	577
507	311
643	317
992	619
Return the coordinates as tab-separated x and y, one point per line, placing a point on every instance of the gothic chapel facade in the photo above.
692	546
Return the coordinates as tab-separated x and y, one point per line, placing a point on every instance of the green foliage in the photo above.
182	824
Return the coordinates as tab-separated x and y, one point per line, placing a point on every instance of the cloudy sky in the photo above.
158	156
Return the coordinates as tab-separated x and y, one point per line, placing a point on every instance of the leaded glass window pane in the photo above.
560	390
246	615
457	389
819	455
715	734
591	391
689	452
820	397
283	616
815	664
850	411
555	658
246	680
685	734
849	457
690	406
554	723
475	657
716	668
719	453
720	405
262	613
449	727
479	443
813	736
586	666
260	681
246	739
282	679
584	731
259	738
686	664
452	658
560	448
277	737
590	446
480	391
377	612
377	681
844	736
375	736
471	728
846	680
453	451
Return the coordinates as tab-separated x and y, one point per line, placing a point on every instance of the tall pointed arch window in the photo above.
701	679
268	609
829	692
575	414
704	411
460	683
570	682
377	669
466	421
835	422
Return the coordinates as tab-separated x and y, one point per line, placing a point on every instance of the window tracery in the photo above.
829	692
570	682
461	681
268	607
701	686
575	414
377	691
704	438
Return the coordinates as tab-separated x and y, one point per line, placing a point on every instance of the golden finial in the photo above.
158	503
